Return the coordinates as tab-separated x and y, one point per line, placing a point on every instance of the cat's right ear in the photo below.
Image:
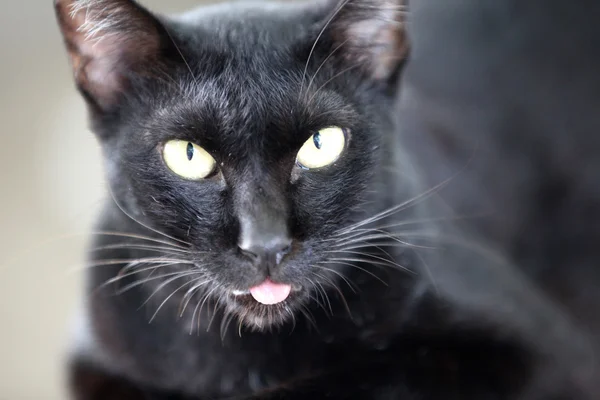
371	34
108	41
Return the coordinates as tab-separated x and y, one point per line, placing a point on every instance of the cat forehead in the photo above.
214	114
254	122
254	22
240	77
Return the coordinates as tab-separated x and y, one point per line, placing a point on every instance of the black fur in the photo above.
427	309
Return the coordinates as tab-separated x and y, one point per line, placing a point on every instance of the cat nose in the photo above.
264	236
266	253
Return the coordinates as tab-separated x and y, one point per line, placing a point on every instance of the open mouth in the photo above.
267	305
268	292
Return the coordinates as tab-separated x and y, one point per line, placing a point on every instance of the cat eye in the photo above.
322	149
188	160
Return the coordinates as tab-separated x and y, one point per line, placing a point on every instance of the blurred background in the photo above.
52	187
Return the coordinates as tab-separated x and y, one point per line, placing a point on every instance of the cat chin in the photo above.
259	317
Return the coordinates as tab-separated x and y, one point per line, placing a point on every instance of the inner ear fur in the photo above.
371	34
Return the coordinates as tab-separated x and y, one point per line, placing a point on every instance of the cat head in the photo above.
251	133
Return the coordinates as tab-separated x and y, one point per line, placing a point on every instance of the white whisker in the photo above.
166	300
328	81
350	285
141	223
179	275
386	263
362	253
379	235
314	46
143	281
131	262
320	291
141	237
190	293
343	262
323	63
122	276
133	246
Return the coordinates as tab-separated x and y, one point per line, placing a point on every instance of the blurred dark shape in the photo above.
512	88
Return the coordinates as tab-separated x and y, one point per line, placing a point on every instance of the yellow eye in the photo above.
188	160
322	149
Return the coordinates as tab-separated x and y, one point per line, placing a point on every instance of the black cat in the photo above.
278	226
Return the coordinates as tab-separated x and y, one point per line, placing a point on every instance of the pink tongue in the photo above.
270	292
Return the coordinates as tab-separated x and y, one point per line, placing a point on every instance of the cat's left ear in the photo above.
108	42
371	34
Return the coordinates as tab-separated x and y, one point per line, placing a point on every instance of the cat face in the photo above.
251	135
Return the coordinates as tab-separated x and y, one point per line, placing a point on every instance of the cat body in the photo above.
378	291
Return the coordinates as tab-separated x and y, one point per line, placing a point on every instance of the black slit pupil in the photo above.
317	140
190	151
